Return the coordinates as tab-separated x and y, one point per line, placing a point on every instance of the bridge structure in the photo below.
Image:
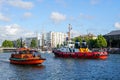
7	49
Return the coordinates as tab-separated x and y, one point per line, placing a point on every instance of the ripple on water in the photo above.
62	69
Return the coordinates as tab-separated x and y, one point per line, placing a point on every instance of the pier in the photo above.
7	49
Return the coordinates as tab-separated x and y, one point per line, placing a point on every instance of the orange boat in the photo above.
26	56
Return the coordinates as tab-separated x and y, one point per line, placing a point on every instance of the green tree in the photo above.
7	43
64	43
100	42
33	43
78	39
91	43
18	43
58	46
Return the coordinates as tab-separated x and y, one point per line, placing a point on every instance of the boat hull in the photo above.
87	55
26	62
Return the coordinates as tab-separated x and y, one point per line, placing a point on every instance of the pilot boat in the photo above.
26	56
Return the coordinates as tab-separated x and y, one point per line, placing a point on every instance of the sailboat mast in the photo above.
37	40
21	43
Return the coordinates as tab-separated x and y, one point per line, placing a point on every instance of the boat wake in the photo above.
4	60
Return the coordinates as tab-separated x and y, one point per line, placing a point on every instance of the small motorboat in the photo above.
26	56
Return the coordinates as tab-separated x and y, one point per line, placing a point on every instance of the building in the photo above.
113	39
55	38
28	41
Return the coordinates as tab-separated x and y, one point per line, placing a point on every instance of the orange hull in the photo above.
24	62
26	56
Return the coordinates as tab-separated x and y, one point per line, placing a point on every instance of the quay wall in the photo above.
7	49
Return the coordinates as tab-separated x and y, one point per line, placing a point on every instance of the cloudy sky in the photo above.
21	18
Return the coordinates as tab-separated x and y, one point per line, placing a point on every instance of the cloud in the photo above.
20	4
94	2
27	15
117	25
57	17
84	16
4	18
14	31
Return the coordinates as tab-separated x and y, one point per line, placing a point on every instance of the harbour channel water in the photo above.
62	69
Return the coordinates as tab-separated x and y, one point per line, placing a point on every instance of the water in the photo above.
62	69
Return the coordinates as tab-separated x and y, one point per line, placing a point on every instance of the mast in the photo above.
69	33
21	43
42	41
37	40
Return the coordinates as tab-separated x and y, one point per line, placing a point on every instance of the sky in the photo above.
24	18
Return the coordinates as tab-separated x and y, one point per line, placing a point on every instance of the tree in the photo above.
18	43
7	43
91	43
58	46
100	42
64	43
78	39
33	43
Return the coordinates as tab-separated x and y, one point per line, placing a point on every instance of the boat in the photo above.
82	52
26	56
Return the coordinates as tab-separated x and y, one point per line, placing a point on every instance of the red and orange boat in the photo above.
26	56
70	52
81	54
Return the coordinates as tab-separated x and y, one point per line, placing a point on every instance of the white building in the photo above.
55	38
48	40
28	41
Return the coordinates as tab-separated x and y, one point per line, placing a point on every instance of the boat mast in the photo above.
42	41
37	40
69	33
21	43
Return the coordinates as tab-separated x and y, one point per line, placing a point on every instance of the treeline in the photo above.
17	43
99	42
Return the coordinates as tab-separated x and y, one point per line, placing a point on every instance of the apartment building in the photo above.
55	38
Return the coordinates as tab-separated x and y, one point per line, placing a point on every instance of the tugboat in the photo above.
26	56
69	51
83	52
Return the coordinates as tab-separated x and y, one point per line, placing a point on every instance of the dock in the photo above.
7	49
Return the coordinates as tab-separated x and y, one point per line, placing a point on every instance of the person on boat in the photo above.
71	49
27	51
